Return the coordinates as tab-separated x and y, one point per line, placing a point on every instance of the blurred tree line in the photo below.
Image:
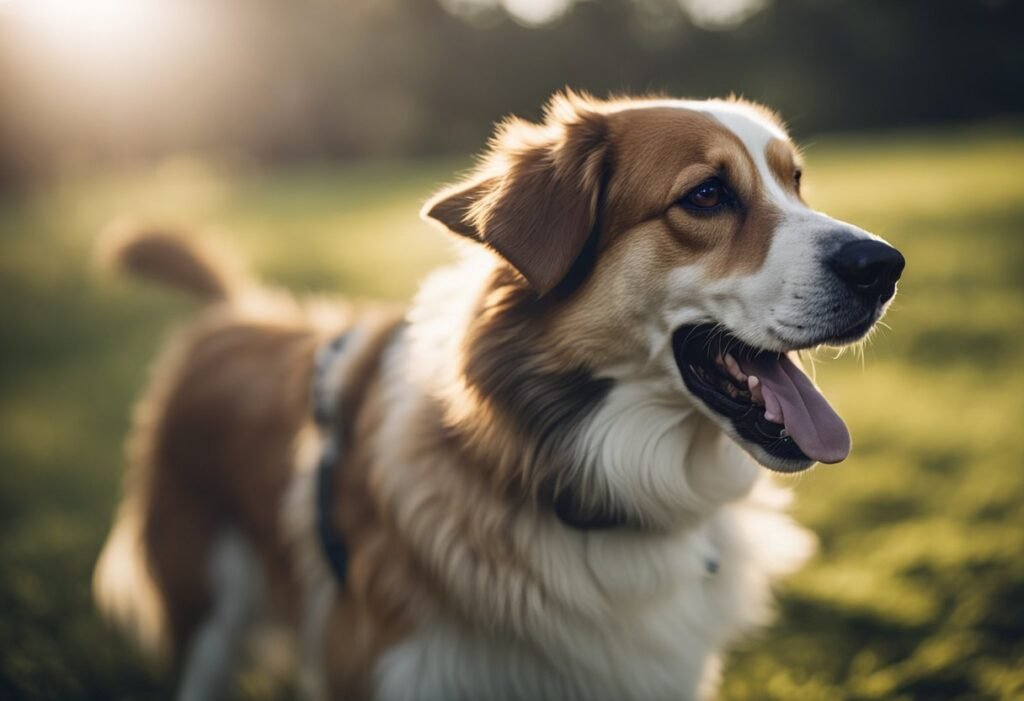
270	80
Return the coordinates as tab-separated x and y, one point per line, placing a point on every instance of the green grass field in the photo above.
918	589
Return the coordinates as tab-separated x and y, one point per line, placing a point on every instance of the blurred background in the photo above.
306	133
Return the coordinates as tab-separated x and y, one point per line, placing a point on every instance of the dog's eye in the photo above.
797	177
708	195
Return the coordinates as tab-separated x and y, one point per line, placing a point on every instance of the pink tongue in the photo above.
809	419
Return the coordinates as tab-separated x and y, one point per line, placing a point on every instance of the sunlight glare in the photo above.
721	14
89	27
537	12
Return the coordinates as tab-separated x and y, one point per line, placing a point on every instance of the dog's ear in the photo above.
535	197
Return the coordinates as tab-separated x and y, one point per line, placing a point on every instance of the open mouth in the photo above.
766	397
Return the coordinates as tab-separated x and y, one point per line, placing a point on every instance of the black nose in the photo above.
869	268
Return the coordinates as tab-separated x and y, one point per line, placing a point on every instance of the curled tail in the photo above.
170	258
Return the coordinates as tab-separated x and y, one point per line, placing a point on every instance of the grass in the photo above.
918	589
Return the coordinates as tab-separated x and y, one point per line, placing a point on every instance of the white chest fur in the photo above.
650	618
637	614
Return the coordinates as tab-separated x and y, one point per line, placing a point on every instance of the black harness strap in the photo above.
325	414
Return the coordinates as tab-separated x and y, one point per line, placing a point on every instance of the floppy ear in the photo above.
535	198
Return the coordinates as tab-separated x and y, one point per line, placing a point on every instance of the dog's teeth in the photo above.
734	368
773	409
754	385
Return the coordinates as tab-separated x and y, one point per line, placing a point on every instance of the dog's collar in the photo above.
325	414
568	511
571	515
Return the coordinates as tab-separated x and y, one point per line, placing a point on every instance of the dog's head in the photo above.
669	238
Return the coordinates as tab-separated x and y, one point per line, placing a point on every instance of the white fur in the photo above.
619	615
319	587
237	591
647	445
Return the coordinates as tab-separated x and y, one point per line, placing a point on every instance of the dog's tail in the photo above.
169	257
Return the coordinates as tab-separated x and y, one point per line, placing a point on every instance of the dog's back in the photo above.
211	458
204	543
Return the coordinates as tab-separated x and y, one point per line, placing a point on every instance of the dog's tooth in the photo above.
754	385
773	409
734	368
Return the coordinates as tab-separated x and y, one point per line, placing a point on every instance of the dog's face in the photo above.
671	240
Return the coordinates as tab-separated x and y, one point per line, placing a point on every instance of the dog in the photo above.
541	481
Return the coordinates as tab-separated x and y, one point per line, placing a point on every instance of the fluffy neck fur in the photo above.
545	429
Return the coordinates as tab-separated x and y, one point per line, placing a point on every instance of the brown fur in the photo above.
541	209
671	152
166	256
215	435
219	453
